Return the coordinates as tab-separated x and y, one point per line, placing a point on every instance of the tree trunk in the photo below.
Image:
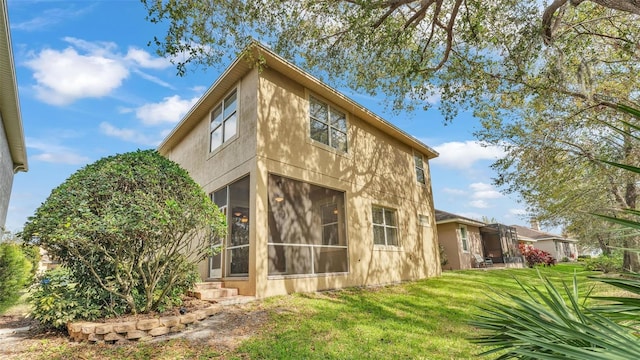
630	260
605	248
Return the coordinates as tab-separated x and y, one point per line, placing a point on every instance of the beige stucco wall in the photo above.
273	137
556	250
376	170
449	237
232	161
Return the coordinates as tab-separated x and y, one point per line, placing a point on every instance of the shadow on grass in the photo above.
423	319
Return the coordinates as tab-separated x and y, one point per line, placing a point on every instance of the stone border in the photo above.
139	330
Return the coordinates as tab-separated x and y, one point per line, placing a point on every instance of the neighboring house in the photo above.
319	192
558	246
460	238
467	241
13	155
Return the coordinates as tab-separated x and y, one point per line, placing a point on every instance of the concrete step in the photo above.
213	294
208	285
235	300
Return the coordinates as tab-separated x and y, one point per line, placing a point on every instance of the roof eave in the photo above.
273	61
460	221
9	103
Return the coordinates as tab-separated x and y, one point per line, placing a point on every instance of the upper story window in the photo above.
224	121
385	228
327	124
419	168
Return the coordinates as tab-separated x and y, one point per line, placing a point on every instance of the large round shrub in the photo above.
15	273
132	225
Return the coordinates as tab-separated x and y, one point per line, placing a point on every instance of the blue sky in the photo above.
90	87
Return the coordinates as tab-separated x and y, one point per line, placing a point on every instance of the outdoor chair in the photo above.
482	262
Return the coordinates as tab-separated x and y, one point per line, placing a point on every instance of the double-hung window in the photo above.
327	124
385	226
224	121
419	168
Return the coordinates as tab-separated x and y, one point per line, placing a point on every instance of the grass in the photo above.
424	319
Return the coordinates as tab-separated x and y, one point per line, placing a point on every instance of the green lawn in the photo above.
424	319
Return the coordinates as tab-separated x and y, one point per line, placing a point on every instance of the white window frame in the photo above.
420	168
225	120
464	239
330	127
385	226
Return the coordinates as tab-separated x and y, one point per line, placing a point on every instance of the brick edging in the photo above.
139	330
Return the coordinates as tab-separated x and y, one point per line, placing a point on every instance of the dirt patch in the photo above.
189	304
223	331
227	329
16	321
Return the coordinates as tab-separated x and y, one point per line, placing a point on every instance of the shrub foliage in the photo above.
535	256
130	226
15	273
605	263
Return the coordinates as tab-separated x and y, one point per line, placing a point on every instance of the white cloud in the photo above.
65	76
199	89
454	191
87	70
96	48
484	191
50	17
480	204
129	135
145	60
154	79
462	155
517	211
169	110
54	153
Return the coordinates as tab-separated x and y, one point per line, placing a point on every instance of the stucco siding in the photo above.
376	170
273	138
548	246
449	237
557	248
233	160
6	174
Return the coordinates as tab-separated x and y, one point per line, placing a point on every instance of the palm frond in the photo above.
551	323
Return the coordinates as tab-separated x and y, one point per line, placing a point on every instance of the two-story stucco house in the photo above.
13	154
319	192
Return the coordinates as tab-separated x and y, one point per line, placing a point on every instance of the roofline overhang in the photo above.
558	239
244	63
461	221
524	238
9	102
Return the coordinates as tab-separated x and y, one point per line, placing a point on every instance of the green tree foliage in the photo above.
132	225
543	78
467	52
15	273
553	323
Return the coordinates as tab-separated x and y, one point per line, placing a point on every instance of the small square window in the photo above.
385	229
